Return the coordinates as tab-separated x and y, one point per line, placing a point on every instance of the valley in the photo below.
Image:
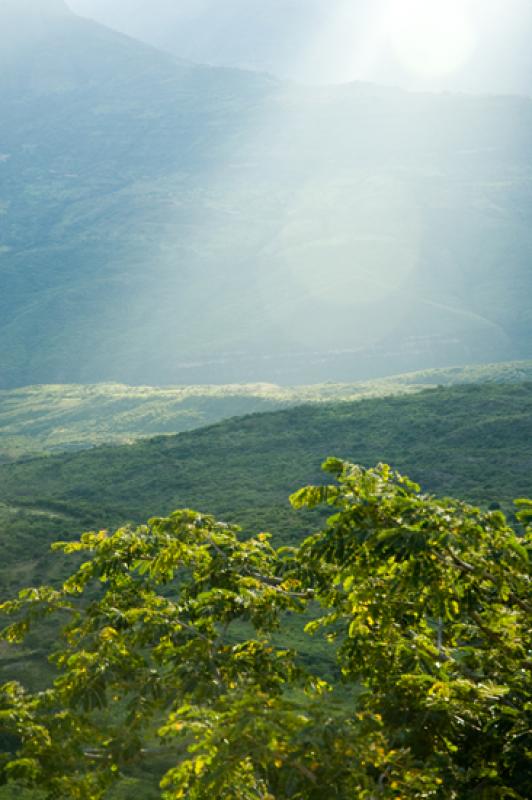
265	403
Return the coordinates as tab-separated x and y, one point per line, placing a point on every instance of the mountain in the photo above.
319	41
49	419
164	223
473	442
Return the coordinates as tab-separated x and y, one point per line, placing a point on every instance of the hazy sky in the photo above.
458	45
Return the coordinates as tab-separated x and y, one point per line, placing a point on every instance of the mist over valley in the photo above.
266	372
163	222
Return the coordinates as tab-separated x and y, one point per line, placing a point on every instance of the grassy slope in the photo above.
469	441
40	419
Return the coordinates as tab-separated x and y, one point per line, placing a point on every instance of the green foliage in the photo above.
425	604
49	419
473	442
430	601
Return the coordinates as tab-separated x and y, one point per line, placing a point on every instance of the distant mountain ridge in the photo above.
319	41
167	223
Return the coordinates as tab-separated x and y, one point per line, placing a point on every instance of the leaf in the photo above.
515	545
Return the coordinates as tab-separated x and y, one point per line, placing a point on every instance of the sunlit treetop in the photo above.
173	651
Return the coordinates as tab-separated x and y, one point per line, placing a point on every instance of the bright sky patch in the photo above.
430	37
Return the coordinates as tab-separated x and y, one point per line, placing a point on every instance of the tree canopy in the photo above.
173	649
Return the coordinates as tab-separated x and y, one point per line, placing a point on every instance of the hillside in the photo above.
162	222
45	419
48	419
472	441
314	41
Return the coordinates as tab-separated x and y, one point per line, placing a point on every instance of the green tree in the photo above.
170	655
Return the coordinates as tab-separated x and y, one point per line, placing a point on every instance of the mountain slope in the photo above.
167	223
316	41
468	441
40	419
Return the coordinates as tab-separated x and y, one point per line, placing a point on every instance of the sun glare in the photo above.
430	37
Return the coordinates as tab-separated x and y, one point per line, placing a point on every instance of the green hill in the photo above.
40	419
473	441
162	222
469	441
47	419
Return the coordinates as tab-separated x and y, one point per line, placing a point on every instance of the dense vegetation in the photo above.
165	222
473	442
424	603
40	419
162	222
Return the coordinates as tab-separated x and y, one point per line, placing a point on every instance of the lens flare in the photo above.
430	37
